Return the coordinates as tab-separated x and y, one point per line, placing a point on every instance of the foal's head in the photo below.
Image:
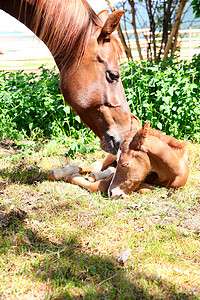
133	164
94	89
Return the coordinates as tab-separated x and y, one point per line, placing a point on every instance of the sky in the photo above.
9	24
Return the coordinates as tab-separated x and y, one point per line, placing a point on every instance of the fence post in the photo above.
190	43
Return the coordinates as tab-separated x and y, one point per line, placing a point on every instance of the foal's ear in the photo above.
103	15
110	25
139	137
132	152
135	125
146	128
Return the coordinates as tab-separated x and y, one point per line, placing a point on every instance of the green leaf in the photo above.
171	90
77	118
197	110
67	110
159	125
82	149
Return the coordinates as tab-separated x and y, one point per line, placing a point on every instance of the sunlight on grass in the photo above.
58	241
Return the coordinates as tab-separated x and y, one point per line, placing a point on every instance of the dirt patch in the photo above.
8	147
14	214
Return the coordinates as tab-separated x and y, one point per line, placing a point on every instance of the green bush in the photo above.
166	94
33	104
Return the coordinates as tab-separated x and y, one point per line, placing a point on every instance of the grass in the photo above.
58	241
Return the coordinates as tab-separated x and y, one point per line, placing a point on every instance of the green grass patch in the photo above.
58	241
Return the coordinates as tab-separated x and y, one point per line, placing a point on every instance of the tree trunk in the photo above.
152	24
132	4
166	25
120	33
174	48
175	28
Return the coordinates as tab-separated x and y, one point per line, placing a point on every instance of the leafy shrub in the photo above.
32	103
166	94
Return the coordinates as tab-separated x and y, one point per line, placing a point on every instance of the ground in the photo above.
58	241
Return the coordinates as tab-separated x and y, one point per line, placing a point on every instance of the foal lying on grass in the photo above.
148	157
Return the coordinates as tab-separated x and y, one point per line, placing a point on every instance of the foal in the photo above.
148	157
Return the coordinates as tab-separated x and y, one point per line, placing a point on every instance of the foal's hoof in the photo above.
51	176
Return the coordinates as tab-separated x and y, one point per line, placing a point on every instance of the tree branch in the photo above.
175	27
120	33
132	4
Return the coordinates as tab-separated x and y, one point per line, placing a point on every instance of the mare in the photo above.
147	157
87	55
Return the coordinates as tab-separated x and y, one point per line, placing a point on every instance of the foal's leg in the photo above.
101	186
110	158
101	175
143	188
99	165
94	167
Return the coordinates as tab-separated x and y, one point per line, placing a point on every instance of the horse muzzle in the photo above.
111	141
116	193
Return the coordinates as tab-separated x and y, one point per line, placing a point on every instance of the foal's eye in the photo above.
112	76
124	164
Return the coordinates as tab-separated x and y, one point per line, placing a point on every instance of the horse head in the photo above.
86	54
133	164
94	88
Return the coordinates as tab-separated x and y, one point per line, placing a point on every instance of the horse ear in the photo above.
135	125
103	15
110	25
132	152
139	137
146	128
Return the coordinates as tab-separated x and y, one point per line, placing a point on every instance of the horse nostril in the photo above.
116	193
112	140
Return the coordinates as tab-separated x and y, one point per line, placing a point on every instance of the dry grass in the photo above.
60	242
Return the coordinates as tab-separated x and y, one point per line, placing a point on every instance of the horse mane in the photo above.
65	26
169	140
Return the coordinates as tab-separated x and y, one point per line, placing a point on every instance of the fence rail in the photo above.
16	48
23	51
188	42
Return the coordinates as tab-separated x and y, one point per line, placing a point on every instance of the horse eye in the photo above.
112	76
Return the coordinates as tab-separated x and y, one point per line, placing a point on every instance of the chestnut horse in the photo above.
151	157
86	54
148	157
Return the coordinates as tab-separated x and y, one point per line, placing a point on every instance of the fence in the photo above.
23	51
188	42
17	49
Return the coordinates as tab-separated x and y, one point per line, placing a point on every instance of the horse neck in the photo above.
64	26
20	10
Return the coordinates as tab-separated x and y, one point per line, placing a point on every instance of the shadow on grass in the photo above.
22	173
74	272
